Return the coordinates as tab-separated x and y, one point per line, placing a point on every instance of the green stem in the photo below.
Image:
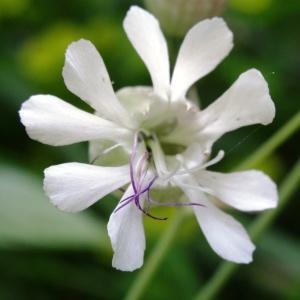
148	270
290	184
226	270
156	256
271	144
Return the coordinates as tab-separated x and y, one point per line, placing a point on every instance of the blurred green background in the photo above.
46	254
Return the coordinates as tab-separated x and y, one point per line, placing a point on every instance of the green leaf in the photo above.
28	219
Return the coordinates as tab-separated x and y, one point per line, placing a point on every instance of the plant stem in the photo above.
148	270
156	256
226	270
271	144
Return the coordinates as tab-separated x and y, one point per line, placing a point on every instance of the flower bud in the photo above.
177	16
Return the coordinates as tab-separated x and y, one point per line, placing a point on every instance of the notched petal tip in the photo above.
29	113
134	9
220	24
270	188
47	182
247	259
260	82
73	48
218	21
22	112
135	14
81	41
24	116
79	45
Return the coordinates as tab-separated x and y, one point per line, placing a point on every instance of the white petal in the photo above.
246	102
225	235
144	33
247	191
204	47
126	231
86	76
52	121
74	186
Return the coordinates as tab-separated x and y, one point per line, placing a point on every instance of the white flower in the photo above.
148	137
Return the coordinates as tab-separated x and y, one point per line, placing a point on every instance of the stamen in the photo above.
196	187
104	152
124	204
132	156
141	192
142	165
171	174
137	183
138	174
211	162
147	214
175	203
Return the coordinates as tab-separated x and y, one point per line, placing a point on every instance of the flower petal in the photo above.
226	236
246	102
144	33
74	186
52	121
246	191
86	76
204	47
126	231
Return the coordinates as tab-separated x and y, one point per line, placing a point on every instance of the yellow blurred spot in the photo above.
251	6
12	8
42	57
272	166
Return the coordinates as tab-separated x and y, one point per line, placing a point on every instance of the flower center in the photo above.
142	180
156	116
161	131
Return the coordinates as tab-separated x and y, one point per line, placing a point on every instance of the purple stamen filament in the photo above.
137	180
